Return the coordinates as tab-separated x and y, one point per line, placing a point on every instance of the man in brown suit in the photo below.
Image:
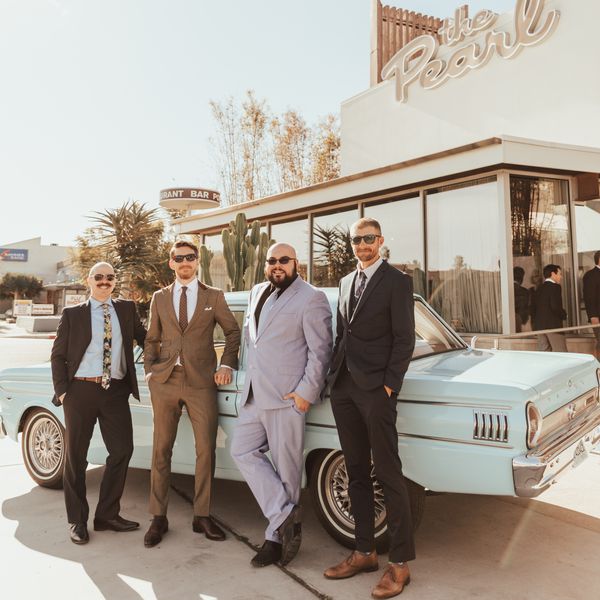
180	364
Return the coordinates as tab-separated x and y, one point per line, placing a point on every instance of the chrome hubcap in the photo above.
45	445
338	498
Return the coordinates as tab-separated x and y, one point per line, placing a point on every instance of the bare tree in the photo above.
291	141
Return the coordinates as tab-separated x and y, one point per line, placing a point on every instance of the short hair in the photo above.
518	274
549	269
597	257
183	244
367	222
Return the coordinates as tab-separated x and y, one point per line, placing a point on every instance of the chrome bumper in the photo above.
3	433
537	470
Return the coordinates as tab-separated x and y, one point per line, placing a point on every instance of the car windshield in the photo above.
432	335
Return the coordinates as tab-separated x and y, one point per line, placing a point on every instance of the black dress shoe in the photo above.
209	528
269	554
79	533
158	528
290	534
116	524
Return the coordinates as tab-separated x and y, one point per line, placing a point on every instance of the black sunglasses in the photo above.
284	260
100	277
179	258
368	239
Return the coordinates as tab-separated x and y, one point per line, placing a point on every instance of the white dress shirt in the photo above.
192	300
369	271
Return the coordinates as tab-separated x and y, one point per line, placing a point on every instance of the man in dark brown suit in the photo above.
180	364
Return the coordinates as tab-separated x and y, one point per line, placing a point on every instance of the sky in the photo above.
108	101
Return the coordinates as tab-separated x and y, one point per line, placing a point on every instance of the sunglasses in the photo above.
367	239
284	260
179	258
100	277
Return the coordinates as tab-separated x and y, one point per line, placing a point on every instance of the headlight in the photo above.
534	425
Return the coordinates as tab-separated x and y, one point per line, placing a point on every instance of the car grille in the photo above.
490	426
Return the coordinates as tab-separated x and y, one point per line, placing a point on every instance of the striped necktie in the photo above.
106	348
361	286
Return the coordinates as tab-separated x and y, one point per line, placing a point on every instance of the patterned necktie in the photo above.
183	319
106	349
361	286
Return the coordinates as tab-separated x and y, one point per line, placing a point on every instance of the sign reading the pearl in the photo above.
419	60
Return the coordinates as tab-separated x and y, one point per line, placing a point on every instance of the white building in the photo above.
477	148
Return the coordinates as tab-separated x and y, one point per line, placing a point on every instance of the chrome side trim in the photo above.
3	432
490	426
455	441
457	404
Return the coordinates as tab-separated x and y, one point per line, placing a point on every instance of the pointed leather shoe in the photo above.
78	533
393	581
158	527
269	554
209	528
357	562
290	534
118	524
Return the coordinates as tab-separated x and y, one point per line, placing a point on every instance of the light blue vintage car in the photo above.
469	421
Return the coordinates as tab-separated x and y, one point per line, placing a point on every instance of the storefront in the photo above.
491	166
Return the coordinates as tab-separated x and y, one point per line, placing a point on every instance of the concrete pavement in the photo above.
468	546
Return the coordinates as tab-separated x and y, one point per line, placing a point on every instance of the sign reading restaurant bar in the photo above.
418	59
13	255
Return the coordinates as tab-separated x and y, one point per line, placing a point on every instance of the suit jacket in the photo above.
549	311
377	340
74	335
165	340
591	292
291	350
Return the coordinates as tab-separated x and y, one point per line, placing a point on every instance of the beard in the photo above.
283	282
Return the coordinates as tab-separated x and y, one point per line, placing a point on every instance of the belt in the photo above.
93	379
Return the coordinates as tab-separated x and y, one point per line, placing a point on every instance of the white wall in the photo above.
42	260
547	92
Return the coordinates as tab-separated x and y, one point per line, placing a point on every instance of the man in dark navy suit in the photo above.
549	312
93	375
591	297
373	348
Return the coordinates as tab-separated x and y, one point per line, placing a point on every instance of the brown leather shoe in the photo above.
392	582
209	528
158	528
355	563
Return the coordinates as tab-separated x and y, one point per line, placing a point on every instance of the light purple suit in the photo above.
288	351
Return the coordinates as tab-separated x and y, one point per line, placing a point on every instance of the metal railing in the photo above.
527	334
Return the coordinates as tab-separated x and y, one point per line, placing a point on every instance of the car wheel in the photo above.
329	493
43	446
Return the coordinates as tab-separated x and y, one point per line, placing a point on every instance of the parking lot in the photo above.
468	546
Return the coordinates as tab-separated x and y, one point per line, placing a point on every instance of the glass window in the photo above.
401	223
587	226
540	236
463	255
218	268
294	233
332	251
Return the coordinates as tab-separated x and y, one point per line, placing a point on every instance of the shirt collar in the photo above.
550	280
370	270
192	286
96	303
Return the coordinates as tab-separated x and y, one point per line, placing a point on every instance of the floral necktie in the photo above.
106	349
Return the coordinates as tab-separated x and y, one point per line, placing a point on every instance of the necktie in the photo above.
183	318
106	349
361	286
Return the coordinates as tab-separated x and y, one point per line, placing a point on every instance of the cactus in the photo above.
245	250
205	257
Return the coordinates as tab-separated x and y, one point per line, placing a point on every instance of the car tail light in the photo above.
534	425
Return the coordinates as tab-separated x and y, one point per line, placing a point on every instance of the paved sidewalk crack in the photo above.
242	538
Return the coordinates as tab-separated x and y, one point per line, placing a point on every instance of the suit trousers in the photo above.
366	423
168	399
276	484
84	403
552	342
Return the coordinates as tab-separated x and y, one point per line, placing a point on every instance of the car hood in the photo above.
550	379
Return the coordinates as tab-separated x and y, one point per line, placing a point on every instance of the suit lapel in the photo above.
120	310
280	303
256	296
168	298
345	298
86	329
371	285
